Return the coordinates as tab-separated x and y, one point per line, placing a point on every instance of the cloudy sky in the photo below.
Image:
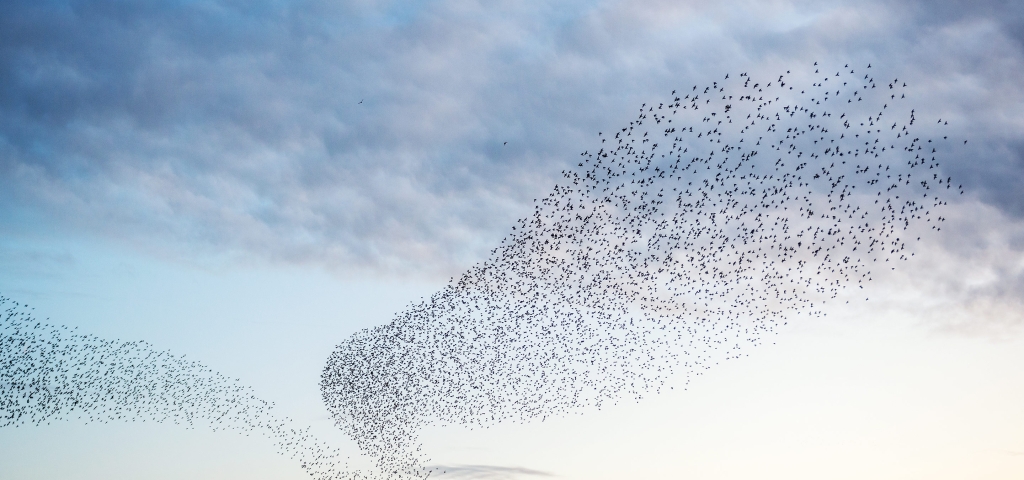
249	182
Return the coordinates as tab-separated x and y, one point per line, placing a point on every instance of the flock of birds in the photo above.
686	237
52	373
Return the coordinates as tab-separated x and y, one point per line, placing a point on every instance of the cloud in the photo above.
371	135
969	282
487	472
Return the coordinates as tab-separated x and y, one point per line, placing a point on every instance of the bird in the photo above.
52	373
682	245
706	224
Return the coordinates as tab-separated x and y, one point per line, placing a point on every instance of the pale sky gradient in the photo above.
202	175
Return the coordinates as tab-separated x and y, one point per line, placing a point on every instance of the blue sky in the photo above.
248	183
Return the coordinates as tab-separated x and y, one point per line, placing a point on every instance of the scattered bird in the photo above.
687	239
701	227
52	373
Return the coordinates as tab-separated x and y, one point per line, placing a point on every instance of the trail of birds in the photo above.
53	373
680	240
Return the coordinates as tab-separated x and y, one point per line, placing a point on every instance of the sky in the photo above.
249	183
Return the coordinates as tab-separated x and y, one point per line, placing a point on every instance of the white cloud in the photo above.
217	128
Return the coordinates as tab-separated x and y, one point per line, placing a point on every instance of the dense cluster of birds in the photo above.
682	238
686	236
51	373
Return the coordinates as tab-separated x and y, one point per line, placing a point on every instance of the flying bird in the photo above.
709	222
704	225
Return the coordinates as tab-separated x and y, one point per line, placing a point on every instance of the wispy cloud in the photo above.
484	472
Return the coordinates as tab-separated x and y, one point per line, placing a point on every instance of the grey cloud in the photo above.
486	472
235	128
968	282
1005	12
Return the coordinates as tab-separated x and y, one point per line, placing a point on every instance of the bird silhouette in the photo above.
683	241
711	220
